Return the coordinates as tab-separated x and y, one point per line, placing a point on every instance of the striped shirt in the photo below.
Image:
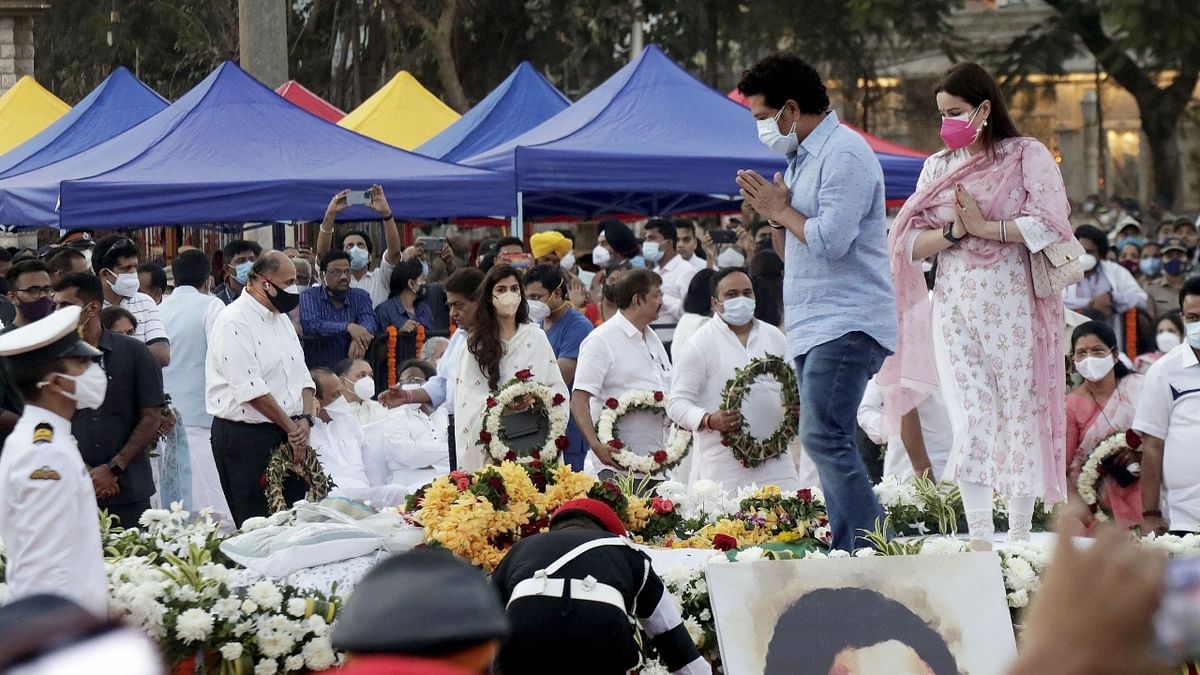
325	338
150	327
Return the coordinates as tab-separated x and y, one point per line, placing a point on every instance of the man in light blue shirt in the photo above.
839	307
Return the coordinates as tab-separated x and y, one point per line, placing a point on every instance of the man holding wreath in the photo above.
704	368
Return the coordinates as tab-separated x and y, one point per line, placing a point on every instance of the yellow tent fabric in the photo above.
402	113
25	110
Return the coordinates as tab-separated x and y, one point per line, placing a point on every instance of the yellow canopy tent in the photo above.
402	113
25	110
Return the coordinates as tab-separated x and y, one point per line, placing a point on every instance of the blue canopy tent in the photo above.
118	103
232	151
522	101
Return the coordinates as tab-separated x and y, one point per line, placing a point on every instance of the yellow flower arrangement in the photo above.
638	514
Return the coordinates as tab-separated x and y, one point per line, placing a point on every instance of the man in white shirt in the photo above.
339	443
622	355
1168	417
930	445
358	386
658	247
413	438
726	342
358	244
190	314
116	263
687	242
258	389
438	392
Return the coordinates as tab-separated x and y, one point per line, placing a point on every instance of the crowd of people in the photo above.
940	336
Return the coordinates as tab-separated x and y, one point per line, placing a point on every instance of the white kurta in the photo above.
339	444
935	430
414	446
48	517
528	348
702	368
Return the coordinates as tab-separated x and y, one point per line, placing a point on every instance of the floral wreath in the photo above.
745	448
280	464
545	399
1093	471
678	442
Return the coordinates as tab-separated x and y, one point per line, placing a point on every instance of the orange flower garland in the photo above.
1131	333
420	340
453	327
392	334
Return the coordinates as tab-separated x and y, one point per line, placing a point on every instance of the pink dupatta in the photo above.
1020	179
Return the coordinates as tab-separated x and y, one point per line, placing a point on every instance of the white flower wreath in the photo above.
521	386
678	442
1089	476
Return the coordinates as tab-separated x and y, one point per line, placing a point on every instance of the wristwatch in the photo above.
115	468
948	233
307	418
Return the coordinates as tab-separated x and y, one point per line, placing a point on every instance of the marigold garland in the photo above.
280	464
392	334
420	343
1131	333
745	448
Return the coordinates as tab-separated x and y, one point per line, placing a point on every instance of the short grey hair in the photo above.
430	345
302	263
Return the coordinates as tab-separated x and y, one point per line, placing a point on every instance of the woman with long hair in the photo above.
502	342
406	306
1101	406
983	206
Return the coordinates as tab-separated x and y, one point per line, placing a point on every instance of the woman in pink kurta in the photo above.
983	206
1100	407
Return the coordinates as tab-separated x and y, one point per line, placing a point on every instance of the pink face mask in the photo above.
957	131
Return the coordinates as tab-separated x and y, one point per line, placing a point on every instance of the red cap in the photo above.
598	510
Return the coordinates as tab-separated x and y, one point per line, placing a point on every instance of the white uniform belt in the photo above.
580	589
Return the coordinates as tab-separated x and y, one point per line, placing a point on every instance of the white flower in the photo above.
273	645
194	625
705	615
297	607
695	631
838	553
243	628
750	554
265	594
294	662
1018	599
227	608
654	668
942	546
152	517
266	668
253	523
865	552
815	555
318	655
316	623
231	651
249	606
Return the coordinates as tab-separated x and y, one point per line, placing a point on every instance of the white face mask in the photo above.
1094	368
738	311
1193	334
126	285
600	256
337	407
506	303
364	388
1088	261
730	257
1167	341
568	261
90	387
768	133
651	251
538	311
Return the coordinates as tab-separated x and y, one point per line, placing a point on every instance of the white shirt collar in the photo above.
626	325
32	410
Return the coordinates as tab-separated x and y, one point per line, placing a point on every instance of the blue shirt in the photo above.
325	338
391	312
565	336
840	281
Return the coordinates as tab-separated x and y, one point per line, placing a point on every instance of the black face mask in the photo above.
283	301
337	294
37	309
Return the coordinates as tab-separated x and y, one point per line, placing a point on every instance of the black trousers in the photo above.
129	514
241	452
452	445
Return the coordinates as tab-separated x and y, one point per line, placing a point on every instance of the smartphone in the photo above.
360	197
585	277
723	236
432	244
520	261
1177	624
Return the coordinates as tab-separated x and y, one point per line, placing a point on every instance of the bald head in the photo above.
274	272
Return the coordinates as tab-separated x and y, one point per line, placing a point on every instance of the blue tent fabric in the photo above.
524	100
900	175
120	102
230	151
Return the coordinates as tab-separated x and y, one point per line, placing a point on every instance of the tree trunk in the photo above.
712	62
1160	123
443	47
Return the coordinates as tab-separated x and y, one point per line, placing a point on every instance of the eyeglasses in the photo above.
37	291
1098	352
412	380
334	274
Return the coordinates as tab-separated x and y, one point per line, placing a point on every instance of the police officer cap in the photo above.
620	237
49	339
424	601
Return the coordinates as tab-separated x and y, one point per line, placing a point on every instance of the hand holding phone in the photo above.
359	197
432	244
723	236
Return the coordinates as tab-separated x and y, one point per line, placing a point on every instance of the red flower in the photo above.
485	437
1133	439
496	483
457	475
562	442
804	495
510	456
616	444
662	506
660	456
612	403
524	374
658	397
462	484
491	402
262	481
724	542
558	399
536	454
725	441
537	463
503	500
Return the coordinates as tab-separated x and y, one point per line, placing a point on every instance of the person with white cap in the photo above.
48	517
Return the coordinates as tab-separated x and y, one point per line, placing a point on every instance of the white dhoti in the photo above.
206	484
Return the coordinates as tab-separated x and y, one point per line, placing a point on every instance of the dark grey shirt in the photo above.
134	383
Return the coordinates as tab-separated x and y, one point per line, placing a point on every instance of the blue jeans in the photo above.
832	378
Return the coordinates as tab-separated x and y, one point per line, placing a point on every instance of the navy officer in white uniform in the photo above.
48	516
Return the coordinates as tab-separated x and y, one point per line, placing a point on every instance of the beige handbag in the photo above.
1056	267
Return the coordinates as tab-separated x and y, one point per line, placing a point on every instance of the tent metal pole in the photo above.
518	223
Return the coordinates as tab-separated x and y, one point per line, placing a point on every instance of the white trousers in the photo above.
206	483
